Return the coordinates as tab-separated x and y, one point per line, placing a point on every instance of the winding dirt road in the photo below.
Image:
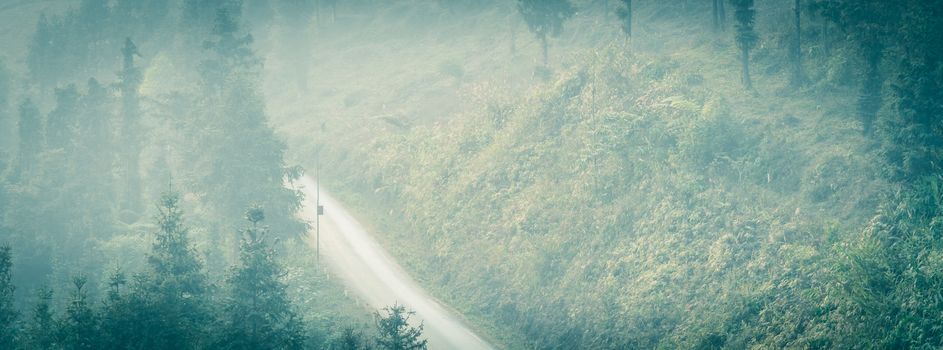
370	272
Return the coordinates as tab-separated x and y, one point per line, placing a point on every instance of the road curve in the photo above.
370	272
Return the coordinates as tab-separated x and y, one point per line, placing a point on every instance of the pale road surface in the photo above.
370	272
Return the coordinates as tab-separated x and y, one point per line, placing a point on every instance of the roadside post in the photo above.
317	200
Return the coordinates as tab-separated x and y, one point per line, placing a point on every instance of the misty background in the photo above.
594	174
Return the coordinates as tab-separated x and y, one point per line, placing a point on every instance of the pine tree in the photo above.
258	312
44	53
719	16
131	136
39	328
177	281
93	17
394	331
31	140
6	120
92	162
545	19
177	271
232	58
61	121
121	326
871	26
94	141
87	39
745	36
8	314
142	18
199	14
625	15
350	339
235	114
797	78
80	325
918	86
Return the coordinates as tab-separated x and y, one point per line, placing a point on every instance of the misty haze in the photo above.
471	174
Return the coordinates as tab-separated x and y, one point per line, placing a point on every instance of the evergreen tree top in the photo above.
545	17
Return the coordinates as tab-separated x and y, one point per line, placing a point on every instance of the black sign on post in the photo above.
320	210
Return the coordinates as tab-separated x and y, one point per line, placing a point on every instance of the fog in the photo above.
470	174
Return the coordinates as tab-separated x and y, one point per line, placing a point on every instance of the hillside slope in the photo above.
638	198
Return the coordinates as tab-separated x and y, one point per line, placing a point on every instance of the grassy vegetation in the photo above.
631	194
638	198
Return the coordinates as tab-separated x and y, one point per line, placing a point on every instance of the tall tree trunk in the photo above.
512	24
628	17
797	76
721	15
130	113
716	16
745	60
628	4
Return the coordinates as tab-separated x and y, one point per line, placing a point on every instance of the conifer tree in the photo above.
131	136
199	14
545	19
231	53
92	162
142	18
120	323
625	14
745	36
6	119
93	17
719	15
39	328
94	131
918	85
80	324
177	271
177	282
235	112
30	140
258	312
797	77
394	331
61	121
871	25
8	315
45	51
350	339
